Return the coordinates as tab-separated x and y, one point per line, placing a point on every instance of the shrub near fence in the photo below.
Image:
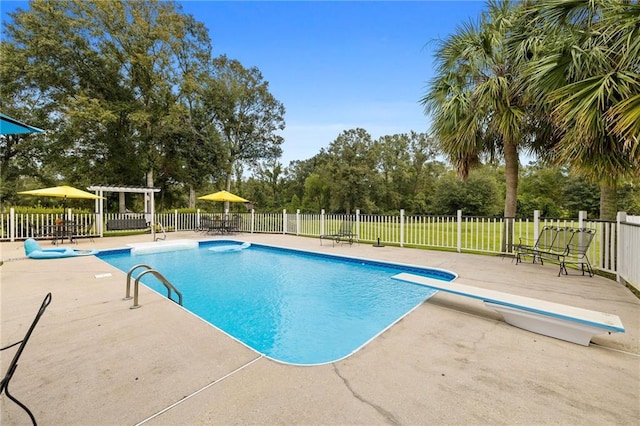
616	242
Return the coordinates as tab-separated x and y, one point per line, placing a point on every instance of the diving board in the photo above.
563	322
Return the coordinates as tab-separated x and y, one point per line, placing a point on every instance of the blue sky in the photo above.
334	65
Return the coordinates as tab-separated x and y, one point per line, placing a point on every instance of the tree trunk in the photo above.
192	197
511	164
227	187
147	201
608	200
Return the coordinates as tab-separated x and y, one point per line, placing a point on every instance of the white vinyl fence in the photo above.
615	248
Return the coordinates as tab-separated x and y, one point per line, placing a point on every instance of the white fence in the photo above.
628	249
615	249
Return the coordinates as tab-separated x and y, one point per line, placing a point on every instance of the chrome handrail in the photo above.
170	287
127	295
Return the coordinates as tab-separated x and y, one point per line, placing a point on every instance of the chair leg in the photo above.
4	384
20	404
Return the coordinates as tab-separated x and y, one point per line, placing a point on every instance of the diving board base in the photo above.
548	326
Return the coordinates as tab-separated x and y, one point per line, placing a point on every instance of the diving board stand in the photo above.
563	322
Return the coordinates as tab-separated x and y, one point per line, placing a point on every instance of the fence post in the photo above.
253	219
459	219
100	222
298	222
284	221
12	224
536	224
358	225
401	227
620	217
198	219
582	215
322	222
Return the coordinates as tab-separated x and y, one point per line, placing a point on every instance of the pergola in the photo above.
149	202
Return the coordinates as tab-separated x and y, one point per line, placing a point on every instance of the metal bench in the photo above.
562	245
127	224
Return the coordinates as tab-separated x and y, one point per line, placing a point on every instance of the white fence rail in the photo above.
615	249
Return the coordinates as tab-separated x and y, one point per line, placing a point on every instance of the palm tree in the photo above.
478	108
586	68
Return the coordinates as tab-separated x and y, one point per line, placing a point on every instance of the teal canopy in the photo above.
11	126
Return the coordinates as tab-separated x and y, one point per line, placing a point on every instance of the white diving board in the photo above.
563	322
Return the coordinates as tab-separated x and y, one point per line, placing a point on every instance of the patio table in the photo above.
60	231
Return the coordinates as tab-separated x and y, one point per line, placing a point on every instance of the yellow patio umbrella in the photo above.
223	196
63	191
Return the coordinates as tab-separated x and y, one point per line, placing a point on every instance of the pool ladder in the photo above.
148	270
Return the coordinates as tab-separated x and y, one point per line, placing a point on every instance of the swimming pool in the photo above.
293	306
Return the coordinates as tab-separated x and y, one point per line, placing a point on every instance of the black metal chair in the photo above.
4	385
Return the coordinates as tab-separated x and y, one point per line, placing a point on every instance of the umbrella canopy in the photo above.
62	192
11	126
223	196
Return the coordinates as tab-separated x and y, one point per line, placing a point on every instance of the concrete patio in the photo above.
93	361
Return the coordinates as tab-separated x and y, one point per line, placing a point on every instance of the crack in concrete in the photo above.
388	416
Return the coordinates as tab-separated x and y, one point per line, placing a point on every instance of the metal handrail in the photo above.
133	268
164	233
170	287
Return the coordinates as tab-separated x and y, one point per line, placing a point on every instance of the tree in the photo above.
352	172
479	195
476	102
395	163
108	77
270	174
541	189
586	67
244	112
423	171
316	193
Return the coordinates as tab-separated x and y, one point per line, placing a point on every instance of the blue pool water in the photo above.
293	306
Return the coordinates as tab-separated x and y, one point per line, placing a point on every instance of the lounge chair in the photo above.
344	234
33	250
4	385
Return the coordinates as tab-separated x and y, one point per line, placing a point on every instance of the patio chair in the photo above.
83	230
233	225
4	385
211	225
576	250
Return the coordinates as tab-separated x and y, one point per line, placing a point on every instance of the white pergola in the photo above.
149	202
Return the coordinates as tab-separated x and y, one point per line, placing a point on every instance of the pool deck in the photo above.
93	361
